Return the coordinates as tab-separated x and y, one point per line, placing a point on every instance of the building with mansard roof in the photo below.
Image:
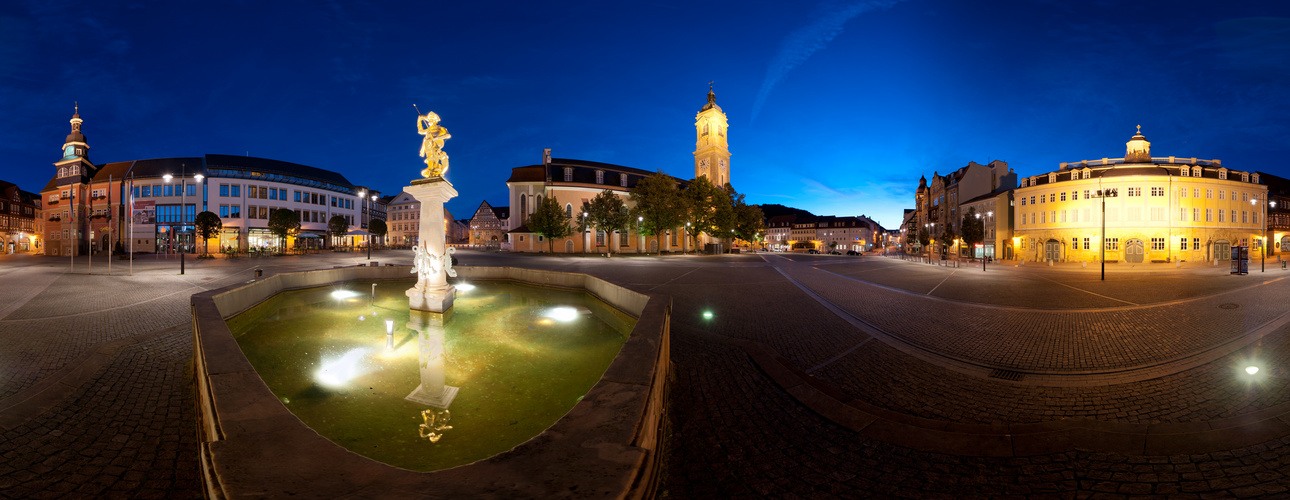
151	205
1154	209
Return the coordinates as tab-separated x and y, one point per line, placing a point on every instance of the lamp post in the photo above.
978	216
1263	237
183	199
1104	194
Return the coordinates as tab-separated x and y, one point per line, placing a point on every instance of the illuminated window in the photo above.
568	209
1243	217
1086	243
1157	244
1074	195
1195	243
622	180
1209	214
1063	196
600	177
1222	174
1112	244
1135	191
1183	171
568	174
1157	191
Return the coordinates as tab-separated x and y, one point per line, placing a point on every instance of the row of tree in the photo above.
973	231
660	205
282	222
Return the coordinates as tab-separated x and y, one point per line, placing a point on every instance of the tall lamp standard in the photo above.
1104	194
1263	238
183	199
978	216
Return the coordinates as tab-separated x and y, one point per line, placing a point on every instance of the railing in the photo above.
1162	160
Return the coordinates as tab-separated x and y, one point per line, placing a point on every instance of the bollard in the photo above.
259	273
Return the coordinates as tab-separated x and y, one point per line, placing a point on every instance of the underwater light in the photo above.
707	314
336	372
465	287
343	294
563	313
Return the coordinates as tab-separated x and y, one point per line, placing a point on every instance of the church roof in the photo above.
712	101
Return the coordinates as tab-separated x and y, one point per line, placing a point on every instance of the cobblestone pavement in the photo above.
126	429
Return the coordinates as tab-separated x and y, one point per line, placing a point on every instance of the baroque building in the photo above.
571	182
1154	209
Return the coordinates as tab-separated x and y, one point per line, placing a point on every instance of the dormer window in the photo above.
1245	177
600	177
622	180
1025	182
1222	174
568	174
1256	178
1183	171
1052	177
1195	171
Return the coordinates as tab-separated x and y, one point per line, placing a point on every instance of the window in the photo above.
1043	198
1157	191
1183	192
1195	215
1023	201
568	174
1043	217
1209	214
1063	216
1195	192
1086	243
1220	194
147	191
1157	214
235	190
1195	243
600	238
251	212
1233	198
1209	194
1157	244
1086	194
1135	191
223	211
1243	218
333	202
297	196
1074	195
1182	214
1086	215
192	190
223	189
1222	175
1233	218
1023	219
1182	244
1183	172
1244	197
1032	217
600	177
1074	243
1112	244
1032	200
623	238
170	189
568	209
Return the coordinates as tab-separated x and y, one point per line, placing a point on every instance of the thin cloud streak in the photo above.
798	46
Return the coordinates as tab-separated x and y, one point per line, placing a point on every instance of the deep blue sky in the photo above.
835	107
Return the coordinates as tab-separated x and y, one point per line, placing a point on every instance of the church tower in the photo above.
711	151
75	167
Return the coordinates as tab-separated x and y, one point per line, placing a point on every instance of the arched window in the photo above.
523	206
537	203
568	209
62	172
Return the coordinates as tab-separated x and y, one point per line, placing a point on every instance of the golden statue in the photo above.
432	144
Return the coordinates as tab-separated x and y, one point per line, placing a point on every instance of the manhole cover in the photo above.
1228	305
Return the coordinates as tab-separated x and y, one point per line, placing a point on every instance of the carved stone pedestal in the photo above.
432	292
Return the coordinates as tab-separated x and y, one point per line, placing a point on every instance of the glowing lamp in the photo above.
563	314
1251	370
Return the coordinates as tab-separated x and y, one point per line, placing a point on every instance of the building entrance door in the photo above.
1133	253
1053	250
1222	250
1285	244
568	246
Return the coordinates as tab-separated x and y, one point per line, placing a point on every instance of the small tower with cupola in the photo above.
1137	150
75	166
711	150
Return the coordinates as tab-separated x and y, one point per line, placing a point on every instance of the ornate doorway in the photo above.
1053	250
1222	250
1133	251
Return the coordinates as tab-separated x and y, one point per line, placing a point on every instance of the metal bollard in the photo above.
259	273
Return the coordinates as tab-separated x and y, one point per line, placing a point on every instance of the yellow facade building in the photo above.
1157	209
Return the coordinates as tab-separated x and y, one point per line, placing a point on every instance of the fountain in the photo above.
265	430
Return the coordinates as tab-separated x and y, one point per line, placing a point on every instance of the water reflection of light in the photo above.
343	294
336	372
563	313
465	287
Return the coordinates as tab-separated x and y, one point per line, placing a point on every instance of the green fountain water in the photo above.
519	356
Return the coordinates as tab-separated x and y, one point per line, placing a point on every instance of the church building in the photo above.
572	182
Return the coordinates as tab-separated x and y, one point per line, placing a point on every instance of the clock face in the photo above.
722	163
703	164
69	151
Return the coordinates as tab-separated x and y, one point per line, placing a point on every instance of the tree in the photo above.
606	212
337	226
949	236
550	221
283	222
750	224
377	227
208	225
703	203
973	228
924	239
659	207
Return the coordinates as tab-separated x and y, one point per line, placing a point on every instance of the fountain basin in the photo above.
252	445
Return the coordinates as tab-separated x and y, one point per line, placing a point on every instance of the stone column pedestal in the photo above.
432	292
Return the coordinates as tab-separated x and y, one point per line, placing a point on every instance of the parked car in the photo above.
812	251
835	252
852	252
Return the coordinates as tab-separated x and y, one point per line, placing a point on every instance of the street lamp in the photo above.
183	196
1263	237
978	216
1104	194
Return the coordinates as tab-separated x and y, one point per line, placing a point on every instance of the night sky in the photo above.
834	107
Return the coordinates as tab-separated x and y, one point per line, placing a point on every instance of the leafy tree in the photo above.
749	223
924	239
337	226
606	212
208	225
550	221
704	204
283	222
659	207
378	228
973	228
949	236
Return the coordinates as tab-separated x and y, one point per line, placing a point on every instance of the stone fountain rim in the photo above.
251	444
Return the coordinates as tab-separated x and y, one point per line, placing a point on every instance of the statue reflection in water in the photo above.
431	359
